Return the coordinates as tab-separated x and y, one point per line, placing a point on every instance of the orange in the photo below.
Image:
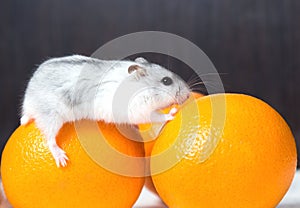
31	178
236	152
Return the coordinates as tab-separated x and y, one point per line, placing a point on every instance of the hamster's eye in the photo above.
167	81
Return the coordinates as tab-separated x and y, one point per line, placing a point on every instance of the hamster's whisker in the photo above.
212	74
197	78
198	87
196	84
203	85
193	79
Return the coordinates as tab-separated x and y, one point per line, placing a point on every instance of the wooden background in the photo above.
256	43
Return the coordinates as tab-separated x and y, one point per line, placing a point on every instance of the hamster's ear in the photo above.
139	71
141	60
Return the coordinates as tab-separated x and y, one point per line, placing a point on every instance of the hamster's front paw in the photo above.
171	115
162	118
173	111
168	117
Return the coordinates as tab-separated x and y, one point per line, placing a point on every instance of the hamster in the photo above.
77	87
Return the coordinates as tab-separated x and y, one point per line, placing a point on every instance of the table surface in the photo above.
291	200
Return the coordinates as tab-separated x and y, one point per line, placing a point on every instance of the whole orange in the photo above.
226	150
31	178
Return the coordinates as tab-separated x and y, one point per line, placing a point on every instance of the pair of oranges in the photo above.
226	150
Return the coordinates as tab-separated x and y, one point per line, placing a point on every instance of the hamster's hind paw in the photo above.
61	161
60	156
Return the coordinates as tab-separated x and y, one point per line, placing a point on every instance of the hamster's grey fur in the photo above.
77	87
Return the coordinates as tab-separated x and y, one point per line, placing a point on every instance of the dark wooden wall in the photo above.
256	43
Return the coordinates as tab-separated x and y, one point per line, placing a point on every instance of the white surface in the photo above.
291	200
148	199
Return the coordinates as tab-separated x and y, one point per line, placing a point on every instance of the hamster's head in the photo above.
159	87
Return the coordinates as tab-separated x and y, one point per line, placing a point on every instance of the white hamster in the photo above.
77	87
